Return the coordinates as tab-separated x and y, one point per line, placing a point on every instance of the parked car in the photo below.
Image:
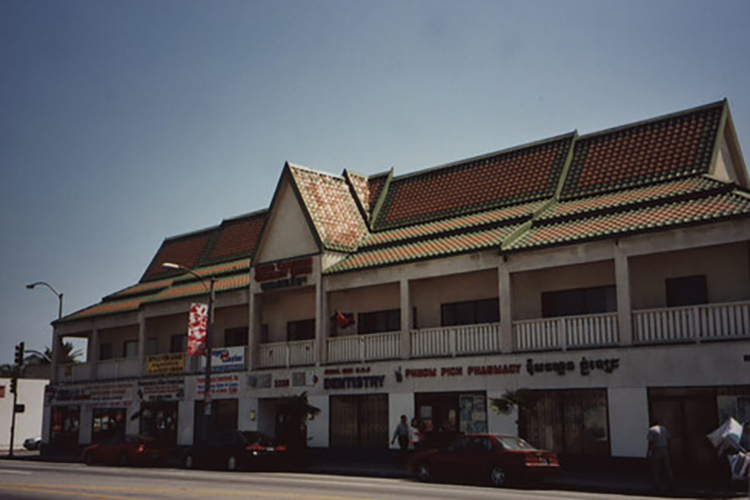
234	450
126	449
32	443
497	459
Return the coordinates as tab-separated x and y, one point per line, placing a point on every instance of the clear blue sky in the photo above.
125	122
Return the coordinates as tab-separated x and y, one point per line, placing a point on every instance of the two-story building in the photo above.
604	277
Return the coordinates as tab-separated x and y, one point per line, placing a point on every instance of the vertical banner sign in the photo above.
197	329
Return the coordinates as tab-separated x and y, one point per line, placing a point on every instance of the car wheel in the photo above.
232	463
124	459
189	461
498	476
424	472
90	458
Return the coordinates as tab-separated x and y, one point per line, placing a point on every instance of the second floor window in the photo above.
379	321
105	351
472	312
235	336
178	343
300	330
130	349
686	291
579	301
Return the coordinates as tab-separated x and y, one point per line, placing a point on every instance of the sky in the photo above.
125	122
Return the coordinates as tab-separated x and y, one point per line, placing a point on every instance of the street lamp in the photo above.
55	349
209	338
59	295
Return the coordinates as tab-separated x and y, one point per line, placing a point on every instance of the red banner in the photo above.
197	329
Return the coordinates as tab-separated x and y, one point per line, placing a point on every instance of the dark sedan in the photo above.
497	459
234	450
126	449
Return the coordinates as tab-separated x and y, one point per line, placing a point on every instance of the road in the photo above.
26	480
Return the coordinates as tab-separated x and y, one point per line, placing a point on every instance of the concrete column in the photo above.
56	352
628	420
322	322
185	422
247	418
506	307
406	320
93	354
254	327
142	340
624	307
499	423
84	424
318	428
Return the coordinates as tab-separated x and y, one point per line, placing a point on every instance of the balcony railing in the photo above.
118	368
692	324
287	354
74	372
591	330
455	340
361	348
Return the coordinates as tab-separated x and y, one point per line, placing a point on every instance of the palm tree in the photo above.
69	355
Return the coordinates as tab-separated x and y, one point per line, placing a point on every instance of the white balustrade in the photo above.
118	368
692	323
361	348
590	330
287	354
455	340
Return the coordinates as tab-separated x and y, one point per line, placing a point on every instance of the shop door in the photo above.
689	415
359	421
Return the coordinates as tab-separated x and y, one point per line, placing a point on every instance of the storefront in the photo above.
359	421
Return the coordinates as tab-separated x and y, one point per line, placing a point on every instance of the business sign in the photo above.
161	364
162	389
221	385
101	394
283	273
226	359
197	324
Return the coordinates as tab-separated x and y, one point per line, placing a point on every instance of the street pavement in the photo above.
629	480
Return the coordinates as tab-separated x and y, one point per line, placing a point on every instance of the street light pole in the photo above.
207	413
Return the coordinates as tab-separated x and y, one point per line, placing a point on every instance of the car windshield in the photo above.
258	438
514	443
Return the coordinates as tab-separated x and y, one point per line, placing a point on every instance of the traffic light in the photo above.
13	385
19	354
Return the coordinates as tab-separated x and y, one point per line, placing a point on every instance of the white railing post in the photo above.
696	321
562	334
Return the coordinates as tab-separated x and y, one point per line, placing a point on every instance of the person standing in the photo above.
415	434
402	434
658	454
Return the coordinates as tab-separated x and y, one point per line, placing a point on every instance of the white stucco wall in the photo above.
318	428
29	423
628	420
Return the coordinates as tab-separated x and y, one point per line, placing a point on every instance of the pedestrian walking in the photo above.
402	434
658	454
415	434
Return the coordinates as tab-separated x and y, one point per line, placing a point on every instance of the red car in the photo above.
127	450
492	458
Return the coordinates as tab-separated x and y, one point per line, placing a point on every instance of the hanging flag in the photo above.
197	329
344	320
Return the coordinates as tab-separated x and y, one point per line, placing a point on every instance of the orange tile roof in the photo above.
520	175
643	153
332	209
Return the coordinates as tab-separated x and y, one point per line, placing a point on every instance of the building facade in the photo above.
602	279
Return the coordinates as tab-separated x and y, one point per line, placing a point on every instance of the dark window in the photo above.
107	423
264	333
580	301
177	343
472	312
686	291
235	336
300	330
105	351
130	349
379	321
